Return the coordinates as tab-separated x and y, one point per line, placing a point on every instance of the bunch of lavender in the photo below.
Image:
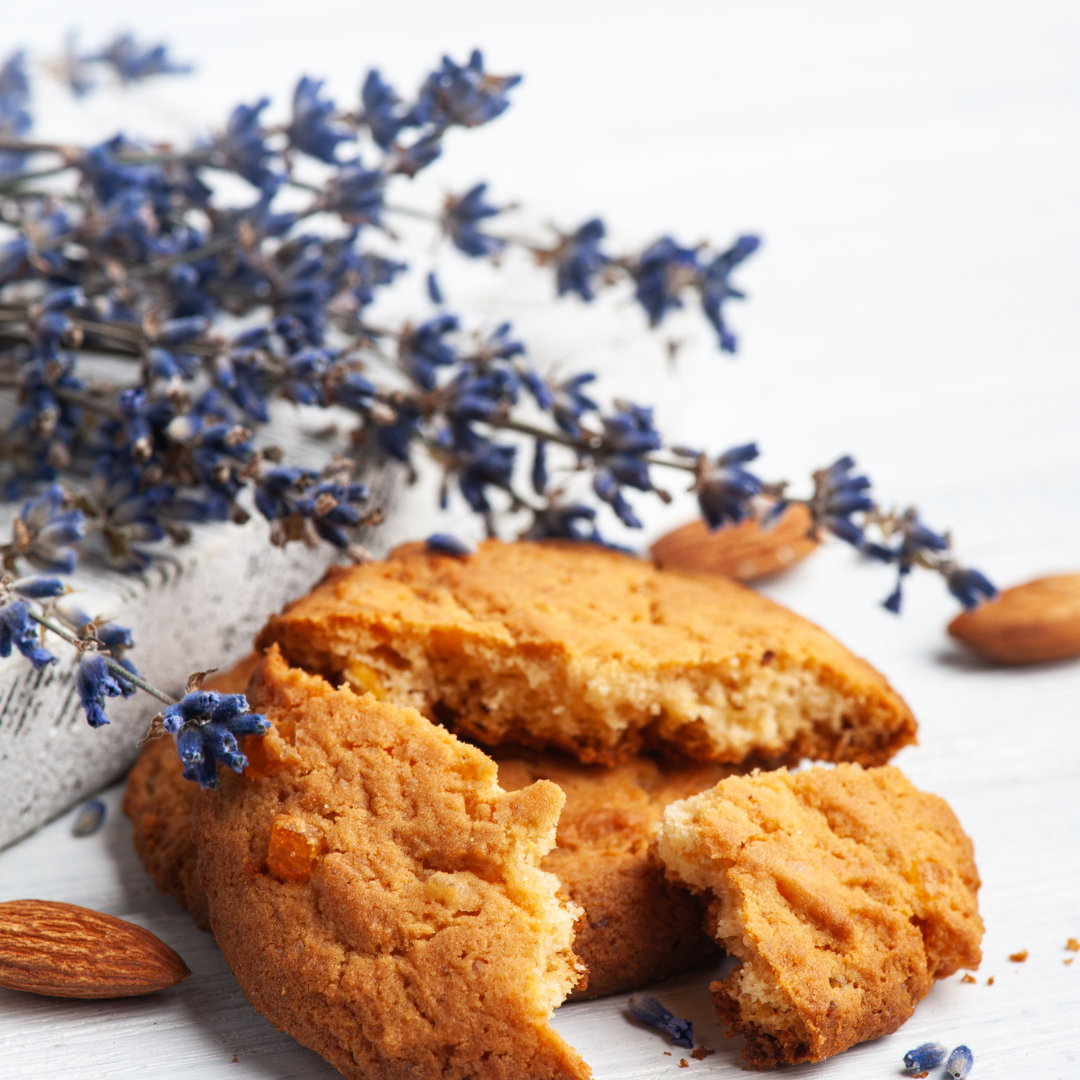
122	250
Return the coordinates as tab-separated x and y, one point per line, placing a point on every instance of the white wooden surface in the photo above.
914	170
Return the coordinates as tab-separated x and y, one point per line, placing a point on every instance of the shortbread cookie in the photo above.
844	893
378	895
158	801
637	928
593	652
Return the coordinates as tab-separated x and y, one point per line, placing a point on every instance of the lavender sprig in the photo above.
139	260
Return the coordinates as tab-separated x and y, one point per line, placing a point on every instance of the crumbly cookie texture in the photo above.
158	801
844	893
378	895
637	928
593	652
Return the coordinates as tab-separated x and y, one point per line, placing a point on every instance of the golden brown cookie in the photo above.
844	893
378	895
638	928
158	801
593	652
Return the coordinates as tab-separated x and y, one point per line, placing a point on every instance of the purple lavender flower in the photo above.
649	1011
970	587
716	287
94	682
381	113
422	350
460	218
311	130
357	194
928	1055
464	95
206	726
578	260
445	544
570	404
46	533
133	62
662	272
726	492
15	118
243	144
17	629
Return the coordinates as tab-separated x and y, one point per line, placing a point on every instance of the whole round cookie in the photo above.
378	895
594	652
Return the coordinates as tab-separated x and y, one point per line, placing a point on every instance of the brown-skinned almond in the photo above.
63	950
1031	623
745	551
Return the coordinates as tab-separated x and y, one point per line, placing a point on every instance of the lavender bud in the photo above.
927	1056
960	1062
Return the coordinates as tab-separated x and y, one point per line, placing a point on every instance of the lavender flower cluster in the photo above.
121	250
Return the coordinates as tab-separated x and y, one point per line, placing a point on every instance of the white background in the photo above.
914	171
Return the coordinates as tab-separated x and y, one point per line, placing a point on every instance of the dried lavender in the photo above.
649	1011
959	1063
122	249
927	1056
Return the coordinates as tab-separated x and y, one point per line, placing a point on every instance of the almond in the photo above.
67	951
745	551
1027	624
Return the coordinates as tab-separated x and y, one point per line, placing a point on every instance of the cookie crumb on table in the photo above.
701	1053
683	1063
968	979
1073	945
1019	957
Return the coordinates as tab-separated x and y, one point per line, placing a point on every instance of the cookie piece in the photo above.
593	652
843	892
378	895
638	928
158	801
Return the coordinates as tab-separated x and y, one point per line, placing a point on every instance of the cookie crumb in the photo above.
235	1059
701	1053
1070	960
968	979
667	1053
683	1063
1019	957
990	981
1072	945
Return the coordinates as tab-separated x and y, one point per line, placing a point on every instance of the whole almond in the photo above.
67	951
1027	624
745	551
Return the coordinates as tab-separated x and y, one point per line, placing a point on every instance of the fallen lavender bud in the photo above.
927	1056
649	1011
959	1063
445	544
91	818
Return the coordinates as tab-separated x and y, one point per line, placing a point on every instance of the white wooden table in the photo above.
914	170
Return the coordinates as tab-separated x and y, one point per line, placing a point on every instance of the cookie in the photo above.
844	893
158	801
378	895
637	928
593	652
